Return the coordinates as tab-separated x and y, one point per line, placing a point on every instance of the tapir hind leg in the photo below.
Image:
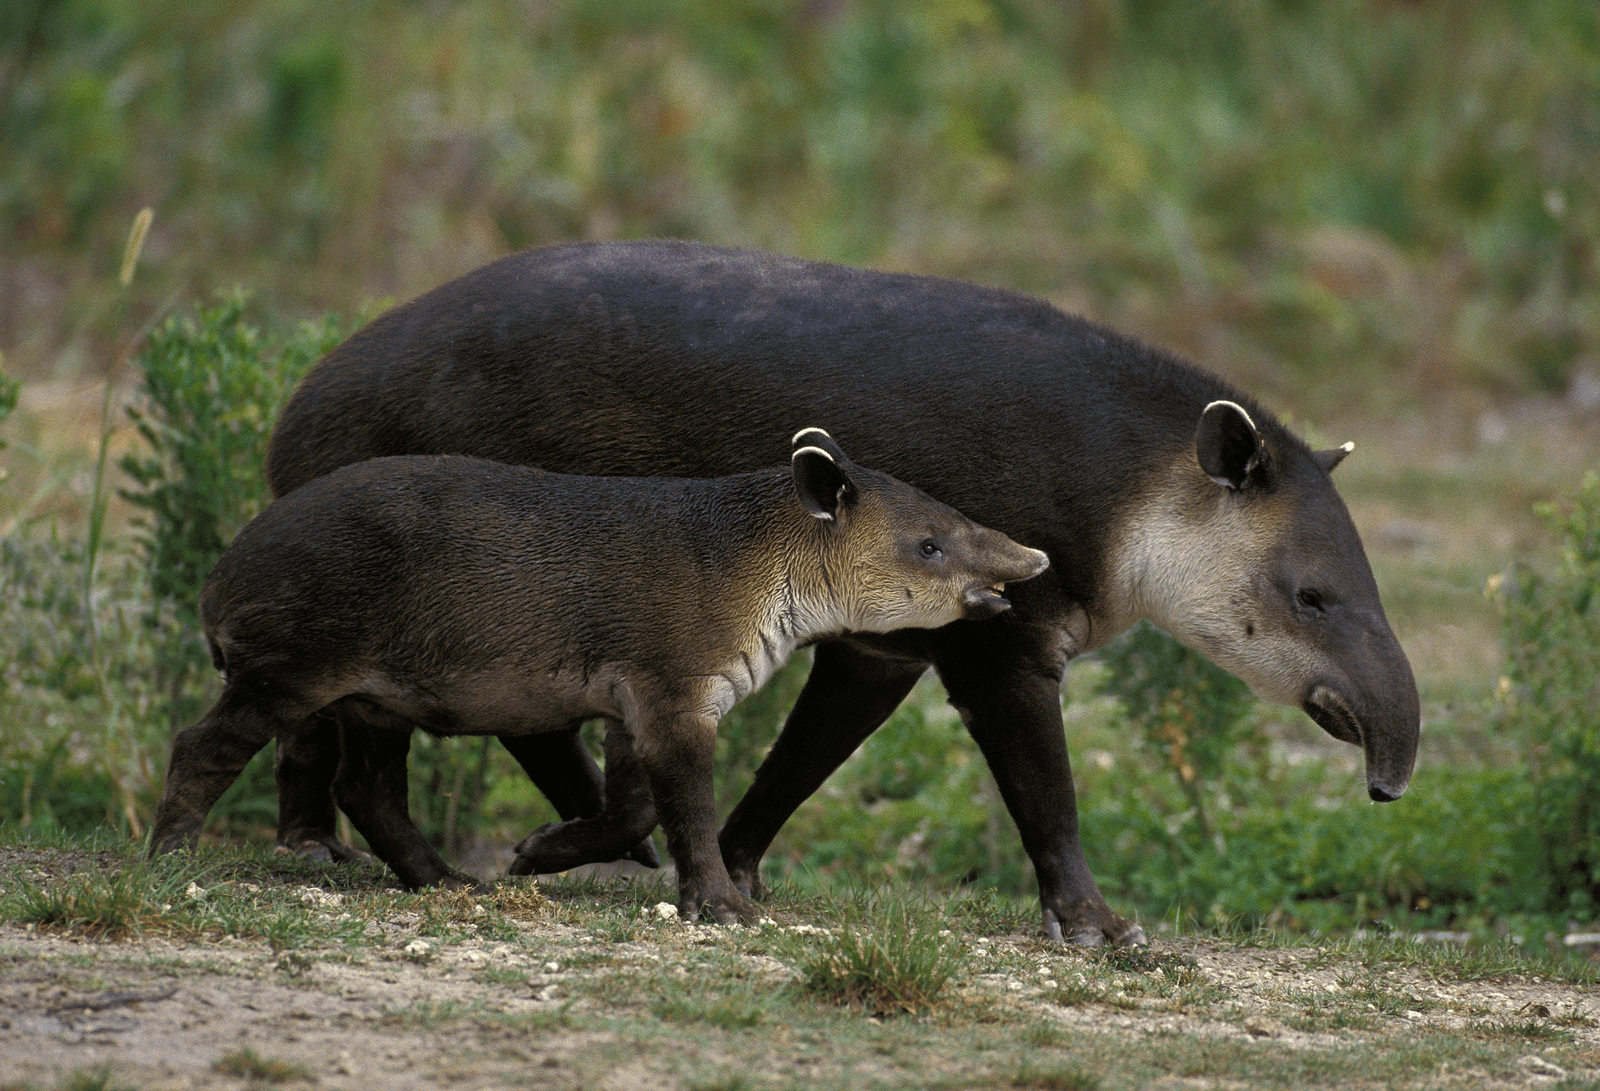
561	767
624	824
371	788
847	697
1012	708
207	758
304	769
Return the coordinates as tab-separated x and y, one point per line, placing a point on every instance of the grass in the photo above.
245	1063
885	956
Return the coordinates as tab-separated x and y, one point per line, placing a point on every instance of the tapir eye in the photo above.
1309	599
930	548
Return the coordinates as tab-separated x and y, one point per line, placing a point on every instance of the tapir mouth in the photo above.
985	600
1333	714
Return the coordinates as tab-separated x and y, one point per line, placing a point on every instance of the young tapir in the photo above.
472	598
1157	490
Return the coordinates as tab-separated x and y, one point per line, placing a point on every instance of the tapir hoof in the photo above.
645	853
728	907
1093	928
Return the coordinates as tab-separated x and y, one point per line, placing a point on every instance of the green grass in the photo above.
245	1063
886	956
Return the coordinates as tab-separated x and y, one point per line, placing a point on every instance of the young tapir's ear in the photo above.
1227	444
821	483
816	437
1333	456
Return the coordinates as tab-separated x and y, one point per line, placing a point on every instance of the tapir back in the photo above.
689	360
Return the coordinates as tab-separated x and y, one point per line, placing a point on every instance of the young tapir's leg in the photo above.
206	759
676	751
371	788
304	768
847	697
628	817
1010	702
560	765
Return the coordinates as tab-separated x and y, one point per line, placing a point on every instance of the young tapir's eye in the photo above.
930	548
1309	599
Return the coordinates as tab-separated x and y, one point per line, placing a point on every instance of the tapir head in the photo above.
1247	554
892	556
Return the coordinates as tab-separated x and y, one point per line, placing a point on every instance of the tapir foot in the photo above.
723	907
1092	926
747	879
322	848
560	846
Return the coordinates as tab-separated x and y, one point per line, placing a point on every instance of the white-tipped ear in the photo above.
816	437
820	482
1227	444
1333	456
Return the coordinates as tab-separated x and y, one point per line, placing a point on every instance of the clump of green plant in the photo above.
888	955
1551	694
128	901
247	1064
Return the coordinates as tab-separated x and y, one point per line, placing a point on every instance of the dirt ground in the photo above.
566	1003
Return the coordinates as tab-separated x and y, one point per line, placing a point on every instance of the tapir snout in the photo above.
986	598
1381	713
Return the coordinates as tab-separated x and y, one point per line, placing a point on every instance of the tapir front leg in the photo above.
1014	715
206	759
848	696
676	751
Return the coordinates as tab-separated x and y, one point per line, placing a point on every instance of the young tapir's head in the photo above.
892	557
1246	553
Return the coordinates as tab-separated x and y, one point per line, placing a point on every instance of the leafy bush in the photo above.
1195	716
1552	700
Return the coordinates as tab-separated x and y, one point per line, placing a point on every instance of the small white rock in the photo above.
1410	1014
552	967
666	911
418	948
474	957
194	892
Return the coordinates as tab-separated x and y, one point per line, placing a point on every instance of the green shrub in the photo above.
1552	701
1195	717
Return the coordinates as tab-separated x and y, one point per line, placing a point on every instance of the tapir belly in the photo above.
498	702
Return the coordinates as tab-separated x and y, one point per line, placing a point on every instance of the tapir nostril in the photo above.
1381	794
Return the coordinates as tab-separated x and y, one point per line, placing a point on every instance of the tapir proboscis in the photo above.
469	597
1157	490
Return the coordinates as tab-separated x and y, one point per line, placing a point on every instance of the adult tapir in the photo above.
1157	491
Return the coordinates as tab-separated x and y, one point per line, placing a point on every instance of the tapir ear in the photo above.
821	482
1333	456
1227	444
816	437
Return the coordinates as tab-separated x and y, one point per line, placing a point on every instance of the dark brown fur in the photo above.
468	597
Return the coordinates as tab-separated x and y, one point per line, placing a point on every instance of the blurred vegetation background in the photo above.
1378	215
